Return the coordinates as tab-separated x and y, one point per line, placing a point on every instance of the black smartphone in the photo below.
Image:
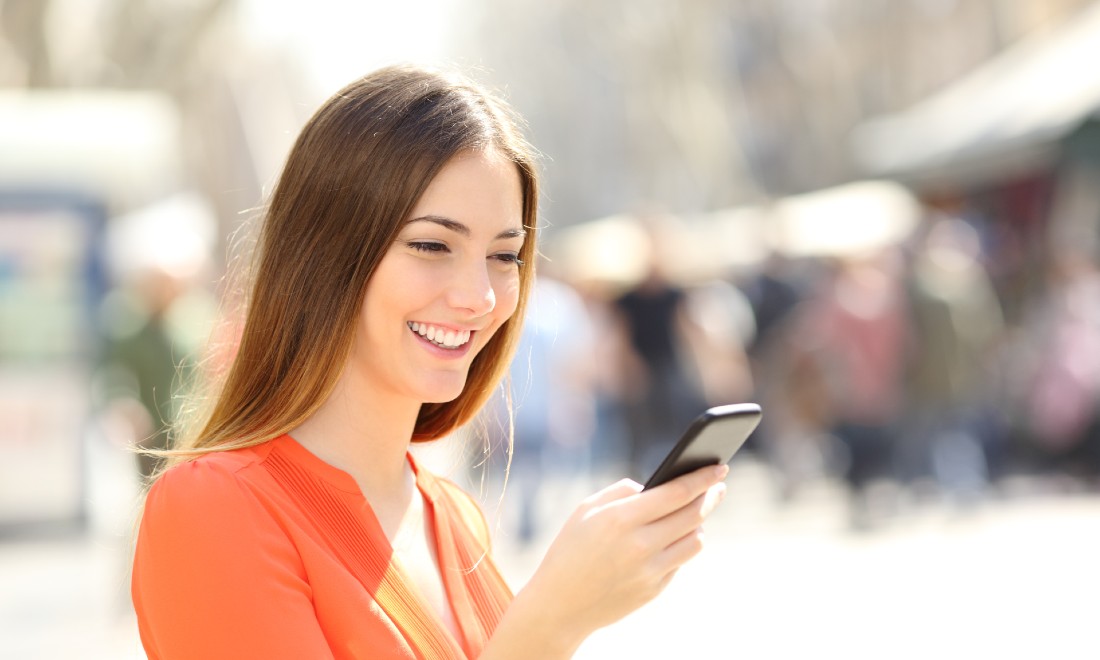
713	438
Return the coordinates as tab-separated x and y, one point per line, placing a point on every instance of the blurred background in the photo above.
879	219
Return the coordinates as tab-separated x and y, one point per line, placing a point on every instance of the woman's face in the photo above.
446	285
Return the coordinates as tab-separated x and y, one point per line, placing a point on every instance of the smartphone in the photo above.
713	438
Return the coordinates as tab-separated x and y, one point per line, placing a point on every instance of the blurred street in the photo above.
879	221
1011	578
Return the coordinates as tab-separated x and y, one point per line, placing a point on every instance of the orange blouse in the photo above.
269	552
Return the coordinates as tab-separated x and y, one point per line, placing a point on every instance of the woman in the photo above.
393	265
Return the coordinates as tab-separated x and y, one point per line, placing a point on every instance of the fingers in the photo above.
676	525
622	546
680	552
666	563
680	534
674	495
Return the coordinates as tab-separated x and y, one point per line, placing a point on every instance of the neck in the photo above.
366	435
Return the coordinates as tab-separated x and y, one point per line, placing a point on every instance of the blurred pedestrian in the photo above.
554	397
957	321
856	330
792	437
1062	401
662	392
154	320
146	357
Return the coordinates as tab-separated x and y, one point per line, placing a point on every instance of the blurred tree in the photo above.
110	43
710	103
24	32
692	106
630	101
194	51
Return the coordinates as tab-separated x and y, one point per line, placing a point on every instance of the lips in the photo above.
443	337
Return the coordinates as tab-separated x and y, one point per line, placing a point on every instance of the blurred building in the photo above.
106	123
694	106
708	104
1013	147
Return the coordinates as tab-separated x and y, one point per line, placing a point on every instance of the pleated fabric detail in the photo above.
360	544
475	580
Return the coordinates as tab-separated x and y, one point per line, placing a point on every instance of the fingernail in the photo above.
722	471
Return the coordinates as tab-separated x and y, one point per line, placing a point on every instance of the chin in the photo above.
441	398
444	393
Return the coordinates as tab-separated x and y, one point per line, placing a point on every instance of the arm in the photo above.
617	551
216	577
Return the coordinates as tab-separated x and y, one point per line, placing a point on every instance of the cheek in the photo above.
507	295
395	286
386	301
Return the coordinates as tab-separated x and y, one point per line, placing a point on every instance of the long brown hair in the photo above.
352	177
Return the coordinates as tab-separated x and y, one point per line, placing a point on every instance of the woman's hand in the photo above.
618	550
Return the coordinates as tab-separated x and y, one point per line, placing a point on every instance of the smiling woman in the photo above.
391	276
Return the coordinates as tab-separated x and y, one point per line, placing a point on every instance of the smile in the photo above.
442	337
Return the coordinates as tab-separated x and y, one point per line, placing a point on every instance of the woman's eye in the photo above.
508	258
427	246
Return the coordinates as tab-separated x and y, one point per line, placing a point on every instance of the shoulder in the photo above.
207	515
207	475
210	495
214	554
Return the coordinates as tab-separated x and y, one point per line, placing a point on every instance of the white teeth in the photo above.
440	336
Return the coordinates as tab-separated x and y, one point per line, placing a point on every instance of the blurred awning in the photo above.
616	250
613	250
848	220
124	147
845	221
719	243
1006	116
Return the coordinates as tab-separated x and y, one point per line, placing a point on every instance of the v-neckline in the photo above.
430	522
442	537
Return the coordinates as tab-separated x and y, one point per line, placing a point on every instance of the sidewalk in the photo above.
1015	578
68	596
1014	581
65	599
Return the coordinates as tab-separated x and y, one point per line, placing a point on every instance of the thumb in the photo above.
616	491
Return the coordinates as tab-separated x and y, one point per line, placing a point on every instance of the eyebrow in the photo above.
462	229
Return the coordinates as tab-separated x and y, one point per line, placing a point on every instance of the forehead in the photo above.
480	189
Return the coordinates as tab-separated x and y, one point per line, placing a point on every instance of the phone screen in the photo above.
713	438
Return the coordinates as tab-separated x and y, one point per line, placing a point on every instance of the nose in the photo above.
472	289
